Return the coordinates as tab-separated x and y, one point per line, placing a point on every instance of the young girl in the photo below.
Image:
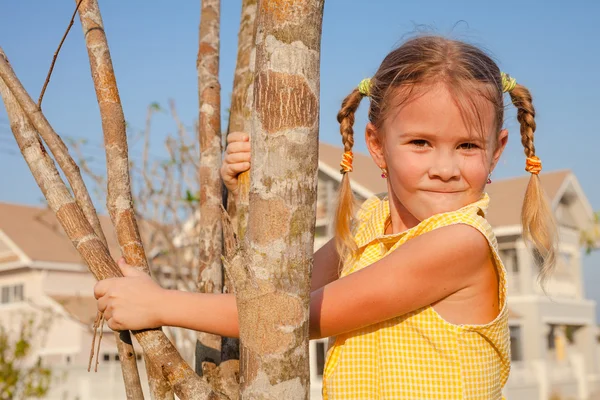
418	307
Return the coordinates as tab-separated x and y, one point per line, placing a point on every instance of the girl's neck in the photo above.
401	219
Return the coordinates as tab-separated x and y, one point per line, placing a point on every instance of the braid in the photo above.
521	98
345	211
539	227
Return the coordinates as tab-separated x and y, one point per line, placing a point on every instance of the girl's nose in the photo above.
444	167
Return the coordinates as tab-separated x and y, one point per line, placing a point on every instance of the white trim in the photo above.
58	351
507	230
358	188
22	256
569	321
7	253
45	265
77	267
572	179
532	298
13	265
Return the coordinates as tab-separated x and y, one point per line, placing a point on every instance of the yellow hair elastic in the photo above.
508	83
533	165
346	163
364	87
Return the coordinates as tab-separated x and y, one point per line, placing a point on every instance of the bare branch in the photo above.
39	103
54	142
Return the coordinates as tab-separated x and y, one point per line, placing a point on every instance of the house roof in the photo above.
38	234
365	172
82	308
506	195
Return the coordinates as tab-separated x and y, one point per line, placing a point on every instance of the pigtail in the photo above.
539	227
344	242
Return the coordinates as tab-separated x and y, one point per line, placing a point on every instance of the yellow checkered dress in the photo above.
419	355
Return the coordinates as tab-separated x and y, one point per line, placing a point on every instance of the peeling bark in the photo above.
119	203
240	120
161	353
240	116
210	276
271	273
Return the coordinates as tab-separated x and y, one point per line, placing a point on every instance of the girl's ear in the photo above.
502	140
375	145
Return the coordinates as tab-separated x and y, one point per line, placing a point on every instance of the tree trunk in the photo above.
240	114
240	120
210	276
273	291
119	204
157	348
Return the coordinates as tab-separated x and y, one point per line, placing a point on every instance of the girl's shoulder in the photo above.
370	205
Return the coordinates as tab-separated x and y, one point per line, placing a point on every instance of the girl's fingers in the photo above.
237	158
108	313
238	168
101	303
238	147
238	137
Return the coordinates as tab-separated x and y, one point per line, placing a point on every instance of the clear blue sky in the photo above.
549	46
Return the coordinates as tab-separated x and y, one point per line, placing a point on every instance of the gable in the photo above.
572	208
7	254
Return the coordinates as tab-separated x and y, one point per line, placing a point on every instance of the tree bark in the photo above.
240	120
210	276
240	114
119	203
273	289
161	353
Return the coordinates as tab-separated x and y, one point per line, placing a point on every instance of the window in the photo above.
551	338
106	357
515	344
510	260
18	292
320	357
538	259
12	294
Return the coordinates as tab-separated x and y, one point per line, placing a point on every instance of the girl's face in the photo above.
435	163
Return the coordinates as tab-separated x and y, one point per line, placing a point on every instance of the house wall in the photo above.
68	283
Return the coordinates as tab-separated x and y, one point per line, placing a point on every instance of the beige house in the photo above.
554	345
41	275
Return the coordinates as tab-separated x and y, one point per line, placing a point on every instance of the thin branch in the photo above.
39	104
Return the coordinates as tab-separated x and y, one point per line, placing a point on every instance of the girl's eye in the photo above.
419	143
468	146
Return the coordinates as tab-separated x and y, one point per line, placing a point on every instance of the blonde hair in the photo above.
469	74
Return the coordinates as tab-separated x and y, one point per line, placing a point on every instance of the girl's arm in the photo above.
326	266
137	302
419	273
413	276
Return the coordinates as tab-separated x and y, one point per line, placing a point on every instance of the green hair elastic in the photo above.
364	87
508	83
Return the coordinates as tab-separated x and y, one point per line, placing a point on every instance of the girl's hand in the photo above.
236	160
132	302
